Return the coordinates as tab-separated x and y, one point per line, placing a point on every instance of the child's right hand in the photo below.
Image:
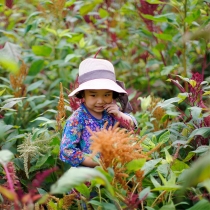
89	162
113	109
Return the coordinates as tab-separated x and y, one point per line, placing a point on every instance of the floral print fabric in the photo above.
75	143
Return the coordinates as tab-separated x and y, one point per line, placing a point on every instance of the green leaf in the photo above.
178	166
192	16
42	105
182	97
196	112
107	206
204	131
5	156
103	13
76	176
154	2
135	165
34	85
85	9
10	104
167	69
168	102
2	91
71	56
42	160
32	15
169	158
201	205
150	165
83	189
166	37
154	182
198	172
144	193
9	57
206	93
164	137
168	206
168	187
36	67
189	156
157	18
41	50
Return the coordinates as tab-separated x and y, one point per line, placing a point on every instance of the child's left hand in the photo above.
113	108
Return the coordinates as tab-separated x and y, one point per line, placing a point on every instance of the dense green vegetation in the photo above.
160	49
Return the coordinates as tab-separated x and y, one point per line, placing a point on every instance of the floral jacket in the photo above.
75	143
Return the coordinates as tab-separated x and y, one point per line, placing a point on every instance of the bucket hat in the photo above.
99	74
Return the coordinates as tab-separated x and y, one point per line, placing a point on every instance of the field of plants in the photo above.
160	49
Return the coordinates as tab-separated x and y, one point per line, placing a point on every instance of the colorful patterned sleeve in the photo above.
69	149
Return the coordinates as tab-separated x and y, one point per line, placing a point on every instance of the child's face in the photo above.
95	100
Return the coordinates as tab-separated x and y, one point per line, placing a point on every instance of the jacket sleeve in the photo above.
70	151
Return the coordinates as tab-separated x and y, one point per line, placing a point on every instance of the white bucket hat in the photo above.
97	74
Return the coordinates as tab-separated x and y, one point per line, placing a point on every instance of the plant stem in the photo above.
184	46
11	186
161	194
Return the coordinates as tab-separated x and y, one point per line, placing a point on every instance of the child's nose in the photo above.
100	100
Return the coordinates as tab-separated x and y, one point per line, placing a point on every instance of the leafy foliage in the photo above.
160	49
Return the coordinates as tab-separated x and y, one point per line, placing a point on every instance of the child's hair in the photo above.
80	94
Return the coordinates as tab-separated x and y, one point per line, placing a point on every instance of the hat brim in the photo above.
99	84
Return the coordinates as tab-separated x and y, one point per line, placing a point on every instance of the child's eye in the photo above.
107	95
93	95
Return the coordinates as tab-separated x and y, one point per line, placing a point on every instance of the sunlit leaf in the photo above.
192	82
41	50
9	57
103	13
164	137
206	93
2	92
5	156
169	158
135	165
83	189
182	97
8	193
166	37
76	176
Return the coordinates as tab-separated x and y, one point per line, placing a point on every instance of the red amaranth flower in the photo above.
148	9
132	201
124	123
40	177
9	3
74	102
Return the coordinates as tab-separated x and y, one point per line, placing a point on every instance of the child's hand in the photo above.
113	109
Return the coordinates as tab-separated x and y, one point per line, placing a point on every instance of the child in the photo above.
98	87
